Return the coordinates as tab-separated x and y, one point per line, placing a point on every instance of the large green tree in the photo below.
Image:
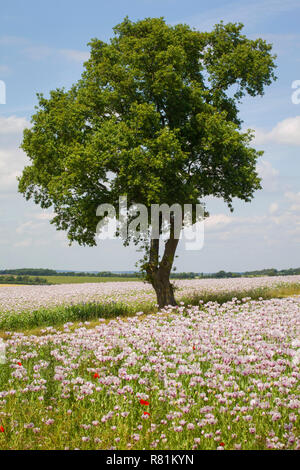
153	117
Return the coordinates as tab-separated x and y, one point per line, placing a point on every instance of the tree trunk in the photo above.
158	273
164	289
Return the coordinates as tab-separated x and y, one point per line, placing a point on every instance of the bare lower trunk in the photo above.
164	290
158	273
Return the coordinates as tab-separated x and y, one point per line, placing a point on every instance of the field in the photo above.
97	366
79	279
85	279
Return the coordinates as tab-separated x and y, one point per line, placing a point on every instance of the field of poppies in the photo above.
214	375
27	307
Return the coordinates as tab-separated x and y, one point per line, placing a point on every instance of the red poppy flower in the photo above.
19	363
222	444
144	402
96	376
1	429
146	413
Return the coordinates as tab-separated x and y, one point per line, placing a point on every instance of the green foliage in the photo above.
29	272
154	116
256	273
13	279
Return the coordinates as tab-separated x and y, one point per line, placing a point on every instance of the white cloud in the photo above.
295	199
269	176
12	159
12	125
31	227
285	132
38	52
23	228
38	232
217	221
43	52
44	215
74	55
273	208
23	243
11	164
277	228
8	176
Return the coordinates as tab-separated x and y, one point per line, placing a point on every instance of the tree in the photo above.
153	117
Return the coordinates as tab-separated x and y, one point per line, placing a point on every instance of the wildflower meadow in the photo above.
216	375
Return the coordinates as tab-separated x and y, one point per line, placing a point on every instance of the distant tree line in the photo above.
274	272
30	272
262	272
174	275
51	272
19	279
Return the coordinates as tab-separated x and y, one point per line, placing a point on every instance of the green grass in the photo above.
92	310
83	279
69	280
69	313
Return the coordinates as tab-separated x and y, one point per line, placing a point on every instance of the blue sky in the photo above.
43	46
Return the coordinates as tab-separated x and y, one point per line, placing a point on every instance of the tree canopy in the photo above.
153	117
